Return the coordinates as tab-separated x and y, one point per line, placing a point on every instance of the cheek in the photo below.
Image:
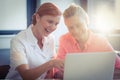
74	32
54	28
84	30
44	24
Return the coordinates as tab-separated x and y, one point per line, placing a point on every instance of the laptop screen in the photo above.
89	66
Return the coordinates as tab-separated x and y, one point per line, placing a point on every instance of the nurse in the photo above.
32	50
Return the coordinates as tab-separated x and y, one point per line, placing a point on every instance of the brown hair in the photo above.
46	9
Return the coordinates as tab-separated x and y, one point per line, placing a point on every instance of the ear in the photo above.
87	19
37	17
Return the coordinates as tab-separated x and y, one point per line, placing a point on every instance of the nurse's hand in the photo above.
58	75
58	63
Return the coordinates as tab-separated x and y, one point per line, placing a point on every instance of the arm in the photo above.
117	64
61	50
20	63
31	74
58	74
108	47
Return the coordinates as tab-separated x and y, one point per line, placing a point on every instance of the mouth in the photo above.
47	30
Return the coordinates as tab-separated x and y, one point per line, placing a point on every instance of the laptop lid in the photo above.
89	66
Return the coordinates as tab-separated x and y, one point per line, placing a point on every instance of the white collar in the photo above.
30	36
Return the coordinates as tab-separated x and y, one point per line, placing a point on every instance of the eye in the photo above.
79	25
70	27
56	24
50	21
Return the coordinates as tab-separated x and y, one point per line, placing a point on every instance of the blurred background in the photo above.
15	15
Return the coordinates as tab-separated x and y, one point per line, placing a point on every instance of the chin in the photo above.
46	34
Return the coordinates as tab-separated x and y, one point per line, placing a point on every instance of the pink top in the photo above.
95	43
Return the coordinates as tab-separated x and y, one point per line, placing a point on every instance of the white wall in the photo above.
94	6
13	14
117	7
5	41
62	4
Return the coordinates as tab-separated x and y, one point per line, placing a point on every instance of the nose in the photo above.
53	27
75	31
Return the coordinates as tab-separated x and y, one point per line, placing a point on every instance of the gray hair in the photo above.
73	10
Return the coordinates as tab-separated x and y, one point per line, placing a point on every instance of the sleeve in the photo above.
105	44
108	47
51	46
17	53
54	46
117	63
61	50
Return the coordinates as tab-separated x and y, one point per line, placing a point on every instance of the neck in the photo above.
82	40
36	34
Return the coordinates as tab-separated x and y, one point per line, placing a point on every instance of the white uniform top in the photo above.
25	50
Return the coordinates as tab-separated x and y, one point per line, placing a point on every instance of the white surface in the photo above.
5	41
89	66
13	14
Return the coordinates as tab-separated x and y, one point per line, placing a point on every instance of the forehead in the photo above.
50	17
76	19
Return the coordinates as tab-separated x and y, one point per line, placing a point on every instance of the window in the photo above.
104	15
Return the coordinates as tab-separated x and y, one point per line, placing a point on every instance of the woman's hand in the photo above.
58	75
58	63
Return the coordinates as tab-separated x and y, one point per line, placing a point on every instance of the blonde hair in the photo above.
73	10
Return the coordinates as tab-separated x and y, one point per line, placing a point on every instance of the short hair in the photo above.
74	9
46	9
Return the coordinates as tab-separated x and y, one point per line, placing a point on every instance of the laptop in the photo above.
89	66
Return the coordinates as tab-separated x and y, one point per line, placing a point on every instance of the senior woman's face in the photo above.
47	24
76	26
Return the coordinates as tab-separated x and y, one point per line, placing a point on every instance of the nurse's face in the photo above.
47	24
76	26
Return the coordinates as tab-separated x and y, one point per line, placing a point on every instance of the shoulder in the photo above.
20	37
100	37
66	39
65	36
97	36
51	37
